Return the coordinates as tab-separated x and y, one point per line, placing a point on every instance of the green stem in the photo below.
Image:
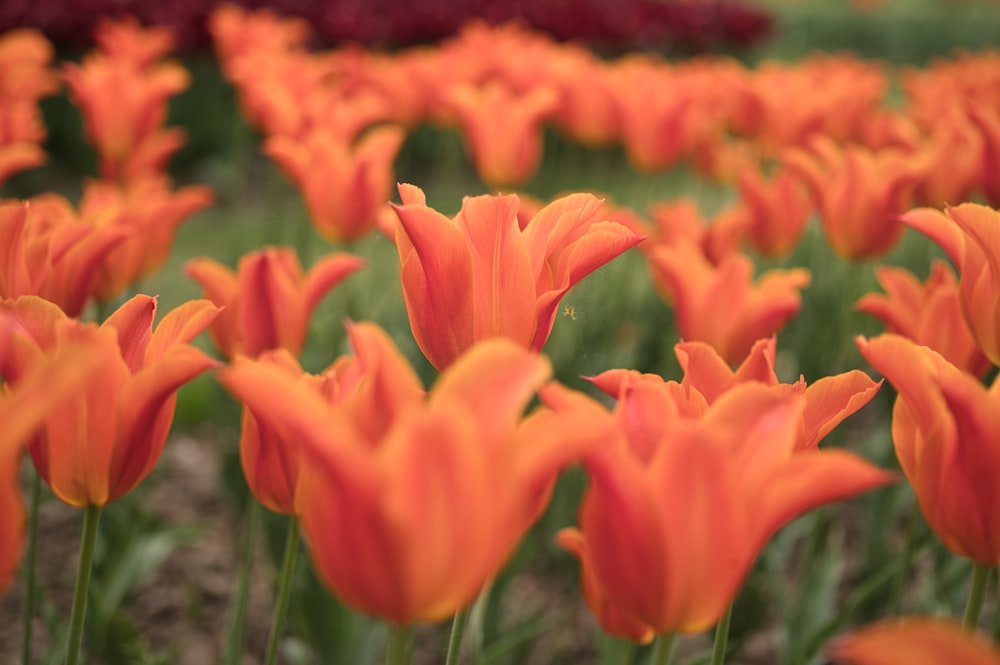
664	649
457	633
31	581
905	560
977	593
398	649
236	634
626	651
722	637
284	592
91	518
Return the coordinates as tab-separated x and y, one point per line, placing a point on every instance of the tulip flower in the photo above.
721	305
679	507
267	302
344	185
106	442
45	385
151	212
858	193
481	275
775	211
969	235
987	120
928	313
123	104
944	427
432	493
707	377
50	253
502	129
681	219
915	641
24	79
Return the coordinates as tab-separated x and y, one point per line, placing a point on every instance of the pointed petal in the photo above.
134	323
832	399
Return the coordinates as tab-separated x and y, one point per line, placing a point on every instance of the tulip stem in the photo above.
398	649
664	649
722	637
31	581
91	518
626	650
457	633
236	634
284	592
977	593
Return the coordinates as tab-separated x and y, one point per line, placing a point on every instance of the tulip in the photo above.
928	313
24	79
679	507
344	185
969	235
150	212
108	440
944	427
721	305
776	212
45	385
431	493
915	641
481	275
503	130
267	302
858	193
51	254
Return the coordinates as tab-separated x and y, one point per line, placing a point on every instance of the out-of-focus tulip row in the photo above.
682	24
412	499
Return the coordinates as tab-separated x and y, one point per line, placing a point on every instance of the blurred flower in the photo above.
344	185
481	275
24	407
928	313
721	305
24	79
774	212
952	156
679	507
914	641
858	193
108	436
945	425
123	99
987	119
50	253
502	129
970	234
434	491
151	212
267	302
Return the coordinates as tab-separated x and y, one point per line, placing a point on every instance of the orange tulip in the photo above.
24	79
970	234
344	185
151	212
987	120
945	426
678	507
124	105
267	302
46	384
720	304
914	641
503	129
858	193
928	313
432	493
51	254
107	440
481	275
707	377
775	211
